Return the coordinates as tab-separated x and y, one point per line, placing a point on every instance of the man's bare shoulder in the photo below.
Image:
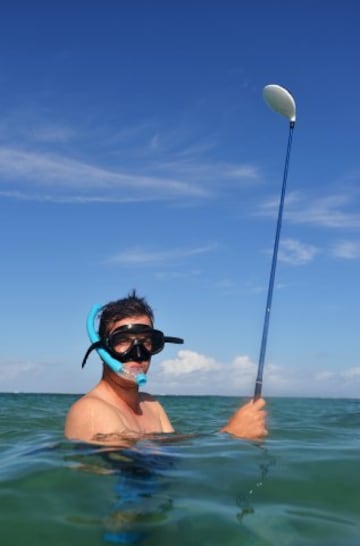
90	415
91	397
91	401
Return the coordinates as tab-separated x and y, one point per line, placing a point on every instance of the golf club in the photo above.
281	101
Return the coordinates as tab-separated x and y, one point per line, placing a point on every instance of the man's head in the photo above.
129	307
126	339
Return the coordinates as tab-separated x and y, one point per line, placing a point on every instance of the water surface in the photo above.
300	487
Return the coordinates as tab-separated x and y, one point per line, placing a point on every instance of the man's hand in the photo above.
248	421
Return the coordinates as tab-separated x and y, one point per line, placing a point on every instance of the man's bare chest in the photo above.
145	420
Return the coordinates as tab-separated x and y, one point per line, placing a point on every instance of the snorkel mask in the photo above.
128	343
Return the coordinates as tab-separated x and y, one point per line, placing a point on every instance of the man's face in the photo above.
125	342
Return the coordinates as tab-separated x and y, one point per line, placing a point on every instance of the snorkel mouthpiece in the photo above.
115	365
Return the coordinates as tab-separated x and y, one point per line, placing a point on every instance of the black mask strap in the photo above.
170	339
96	345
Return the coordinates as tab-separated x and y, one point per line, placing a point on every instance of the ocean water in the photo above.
299	487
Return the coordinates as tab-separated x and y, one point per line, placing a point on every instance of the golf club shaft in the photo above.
259	379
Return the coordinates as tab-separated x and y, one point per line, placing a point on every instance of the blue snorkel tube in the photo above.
114	364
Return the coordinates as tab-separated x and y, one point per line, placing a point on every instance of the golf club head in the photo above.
280	100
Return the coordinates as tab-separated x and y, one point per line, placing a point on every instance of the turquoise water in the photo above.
300	487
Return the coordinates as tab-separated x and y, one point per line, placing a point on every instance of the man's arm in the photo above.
165	422
248	421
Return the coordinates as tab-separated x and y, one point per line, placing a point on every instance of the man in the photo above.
115	411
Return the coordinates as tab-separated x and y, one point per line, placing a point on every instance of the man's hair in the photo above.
131	306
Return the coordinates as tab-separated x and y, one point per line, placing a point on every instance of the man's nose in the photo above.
138	351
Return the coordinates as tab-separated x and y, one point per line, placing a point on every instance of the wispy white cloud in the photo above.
163	275
211	172
24	375
324	375
295	252
49	177
157	163
351	373
53	134
27	127
155	142
130	135
70	199
139	256
62	174
37	376
331	211
196	150
348	250
249	172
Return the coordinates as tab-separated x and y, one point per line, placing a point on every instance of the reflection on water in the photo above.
245	501
151	480
139	490
140	500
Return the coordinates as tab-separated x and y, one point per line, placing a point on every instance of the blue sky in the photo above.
136	151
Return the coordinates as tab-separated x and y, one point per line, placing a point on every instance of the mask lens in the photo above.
157	342
121	341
